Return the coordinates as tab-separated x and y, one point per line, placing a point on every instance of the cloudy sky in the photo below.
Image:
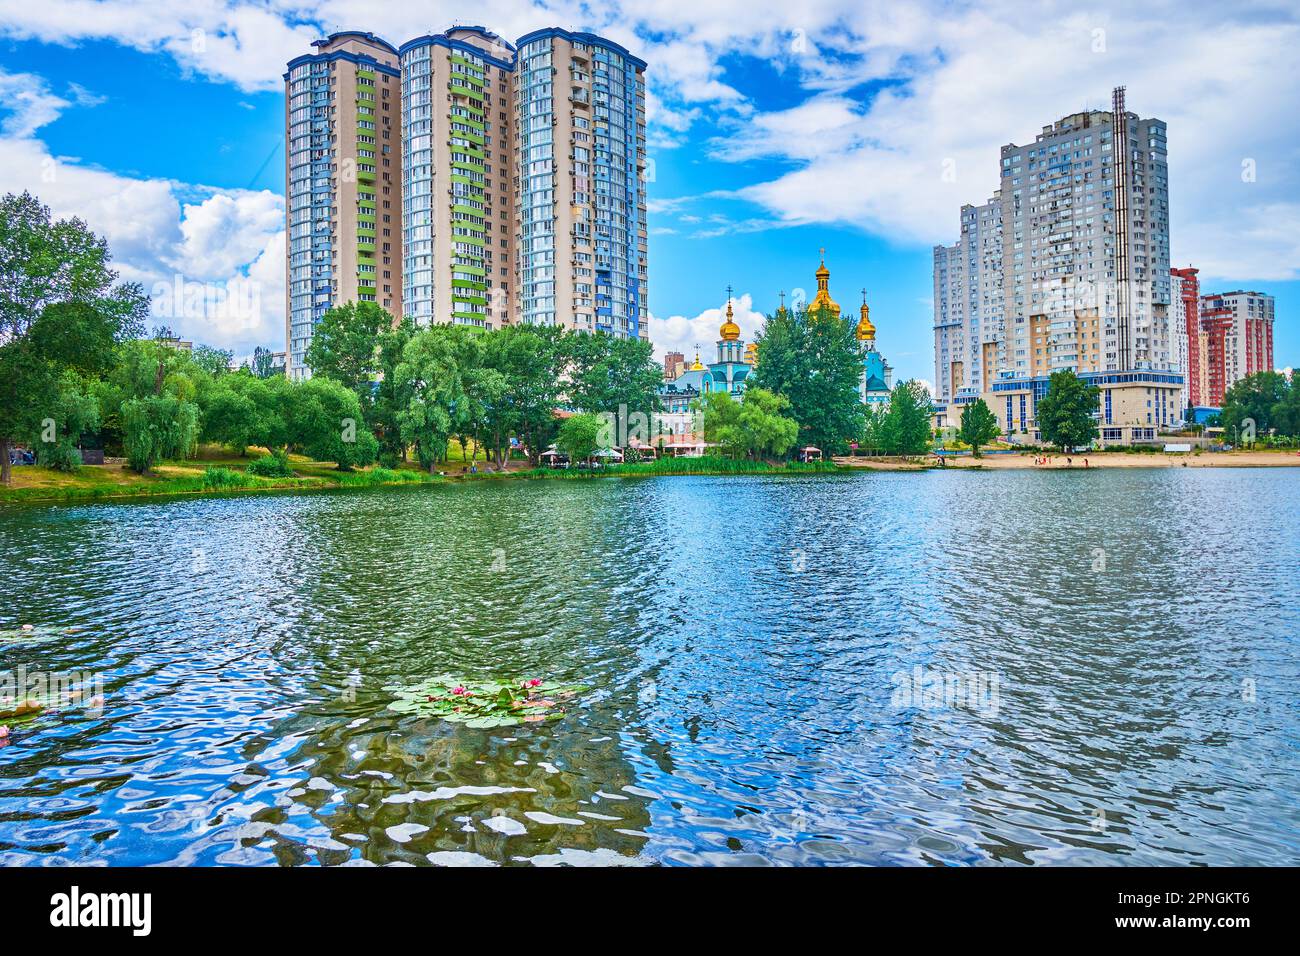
776	129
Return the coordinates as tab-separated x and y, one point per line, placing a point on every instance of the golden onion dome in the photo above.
696	366
866	331
730	331
823	301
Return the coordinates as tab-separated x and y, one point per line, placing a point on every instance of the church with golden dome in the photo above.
877	378
736	360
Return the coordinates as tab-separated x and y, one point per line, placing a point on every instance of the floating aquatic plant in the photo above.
31	634
485	704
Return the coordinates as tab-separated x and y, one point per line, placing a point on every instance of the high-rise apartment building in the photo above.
494	182
1237	332
1185	298
968	303
1077	240
343	197
580	202
1085	266
1067	267
457	135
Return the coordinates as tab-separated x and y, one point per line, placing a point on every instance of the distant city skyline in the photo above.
771	133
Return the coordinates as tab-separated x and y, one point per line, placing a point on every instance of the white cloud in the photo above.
155	238
1223	85
878	100
30	102
688	334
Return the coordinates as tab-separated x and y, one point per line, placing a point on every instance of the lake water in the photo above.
975	668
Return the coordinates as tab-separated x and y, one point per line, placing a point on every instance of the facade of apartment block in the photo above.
1237	333
457	222
464	179
968	303
342	183
581	201
1067	267
1185	300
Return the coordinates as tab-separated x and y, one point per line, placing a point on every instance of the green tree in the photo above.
1286	413
540	363
61	308
721	416
157	427
577	437
428	378
873	429
262	364
211	360
611	375
388	398
979	426
904	428
324	419
1261	398
345	344
754	427
239	410
813	359
73	414
1065	415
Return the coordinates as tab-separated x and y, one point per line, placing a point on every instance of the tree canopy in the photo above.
979	426
1065	415
61	310
813	359
1266	399
754	427
903	428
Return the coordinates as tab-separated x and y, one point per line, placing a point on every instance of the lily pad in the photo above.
32	634
485	705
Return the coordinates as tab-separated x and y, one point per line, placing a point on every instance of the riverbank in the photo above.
213	473
1282	458
216	474
205	475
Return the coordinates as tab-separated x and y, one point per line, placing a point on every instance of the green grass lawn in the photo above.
214	470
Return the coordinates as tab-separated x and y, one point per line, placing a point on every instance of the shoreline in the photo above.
1096	460
193	484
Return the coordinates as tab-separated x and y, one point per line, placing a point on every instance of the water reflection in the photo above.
743	639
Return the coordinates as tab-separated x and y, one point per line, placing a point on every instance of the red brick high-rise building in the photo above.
1187	312
1237	332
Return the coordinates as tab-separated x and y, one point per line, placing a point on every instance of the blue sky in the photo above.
774	132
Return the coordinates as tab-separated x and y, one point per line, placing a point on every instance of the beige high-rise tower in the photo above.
343	194
458	135
580	198
461	180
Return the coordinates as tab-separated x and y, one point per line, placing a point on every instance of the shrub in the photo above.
216	478
274	465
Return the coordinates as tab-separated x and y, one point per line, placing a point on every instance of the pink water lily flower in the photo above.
460	691
534	683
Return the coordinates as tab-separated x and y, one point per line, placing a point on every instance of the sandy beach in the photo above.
1105	459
